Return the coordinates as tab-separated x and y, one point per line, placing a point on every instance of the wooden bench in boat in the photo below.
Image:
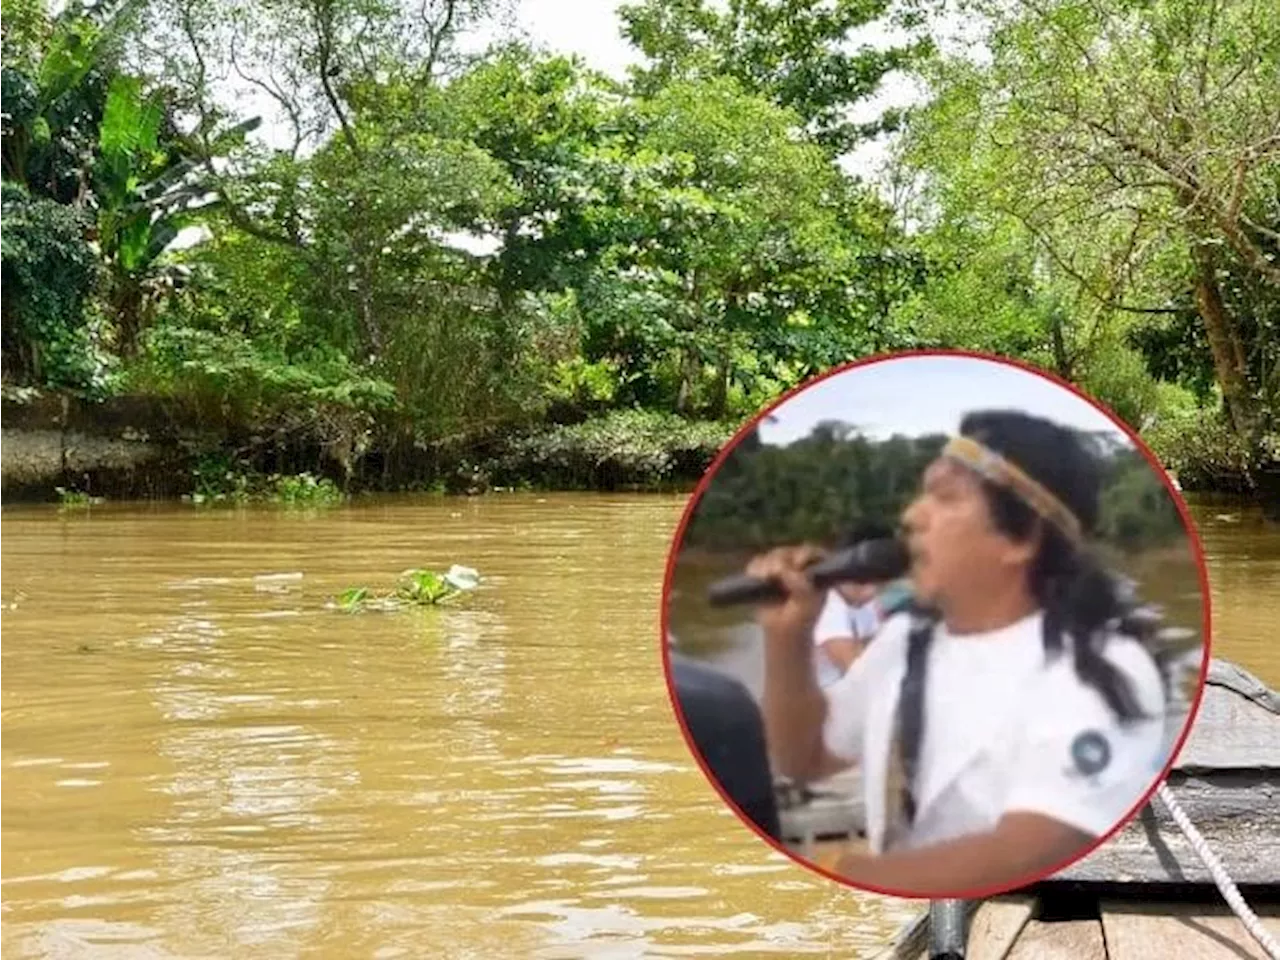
832	810
1145	893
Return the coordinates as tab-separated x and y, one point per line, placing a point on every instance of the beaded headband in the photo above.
990	465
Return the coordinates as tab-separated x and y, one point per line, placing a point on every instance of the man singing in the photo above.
1002	724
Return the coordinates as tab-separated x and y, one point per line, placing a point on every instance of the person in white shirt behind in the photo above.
1004	724
851	613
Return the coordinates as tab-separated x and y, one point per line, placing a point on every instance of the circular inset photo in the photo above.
936	625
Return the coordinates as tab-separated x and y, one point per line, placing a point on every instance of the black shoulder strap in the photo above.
910	713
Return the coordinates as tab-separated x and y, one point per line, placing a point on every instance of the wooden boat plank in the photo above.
1227	780
1240	822
995	927
1135	931
1231	732
1232	676
1060	940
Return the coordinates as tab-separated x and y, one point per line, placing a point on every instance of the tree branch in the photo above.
189	31
323	23
1194	196
1236	199
1083	282
1260	229
242	220
199	141
1162	164
1247	250
1210	21
437	35
274	92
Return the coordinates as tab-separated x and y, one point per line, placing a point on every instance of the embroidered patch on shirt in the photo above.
1090	752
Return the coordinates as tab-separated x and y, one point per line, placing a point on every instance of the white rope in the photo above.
1226	885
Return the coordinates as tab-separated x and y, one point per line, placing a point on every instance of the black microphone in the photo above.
872	561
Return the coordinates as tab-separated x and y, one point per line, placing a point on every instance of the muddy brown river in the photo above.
201	760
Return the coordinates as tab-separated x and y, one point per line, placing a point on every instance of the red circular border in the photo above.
1197	549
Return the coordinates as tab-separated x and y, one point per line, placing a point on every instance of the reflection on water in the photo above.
241	779
200	760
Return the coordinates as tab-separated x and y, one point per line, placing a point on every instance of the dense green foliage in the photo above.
819	487
48	276
796	53
1136	510
505	258
813	489
1112	176
218	481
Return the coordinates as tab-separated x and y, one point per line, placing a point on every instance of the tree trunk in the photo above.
368	312
688	367
127	306
1061	360
720	399
19	359
1228	353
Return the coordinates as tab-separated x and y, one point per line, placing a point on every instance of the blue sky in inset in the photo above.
918	395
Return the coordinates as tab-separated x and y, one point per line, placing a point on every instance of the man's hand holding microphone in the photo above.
791	618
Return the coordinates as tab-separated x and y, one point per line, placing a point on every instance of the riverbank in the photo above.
138	447
145	448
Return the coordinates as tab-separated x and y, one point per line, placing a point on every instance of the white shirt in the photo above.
836	620
840	619
1005	730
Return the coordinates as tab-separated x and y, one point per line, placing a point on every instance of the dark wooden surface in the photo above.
1241	826
1238	726
1227	781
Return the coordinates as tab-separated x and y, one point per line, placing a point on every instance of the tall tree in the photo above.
1139	146
723	235
801	54
364	180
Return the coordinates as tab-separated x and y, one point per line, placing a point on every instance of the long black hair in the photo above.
1081	602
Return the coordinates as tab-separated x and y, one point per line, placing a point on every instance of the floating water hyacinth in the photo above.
417	587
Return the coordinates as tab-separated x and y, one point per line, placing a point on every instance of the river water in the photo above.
200	760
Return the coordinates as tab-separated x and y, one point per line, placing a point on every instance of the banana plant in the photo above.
79	129
54	91
146	192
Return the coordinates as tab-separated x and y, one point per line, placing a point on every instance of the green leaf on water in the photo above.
353	599
417	587
424	587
